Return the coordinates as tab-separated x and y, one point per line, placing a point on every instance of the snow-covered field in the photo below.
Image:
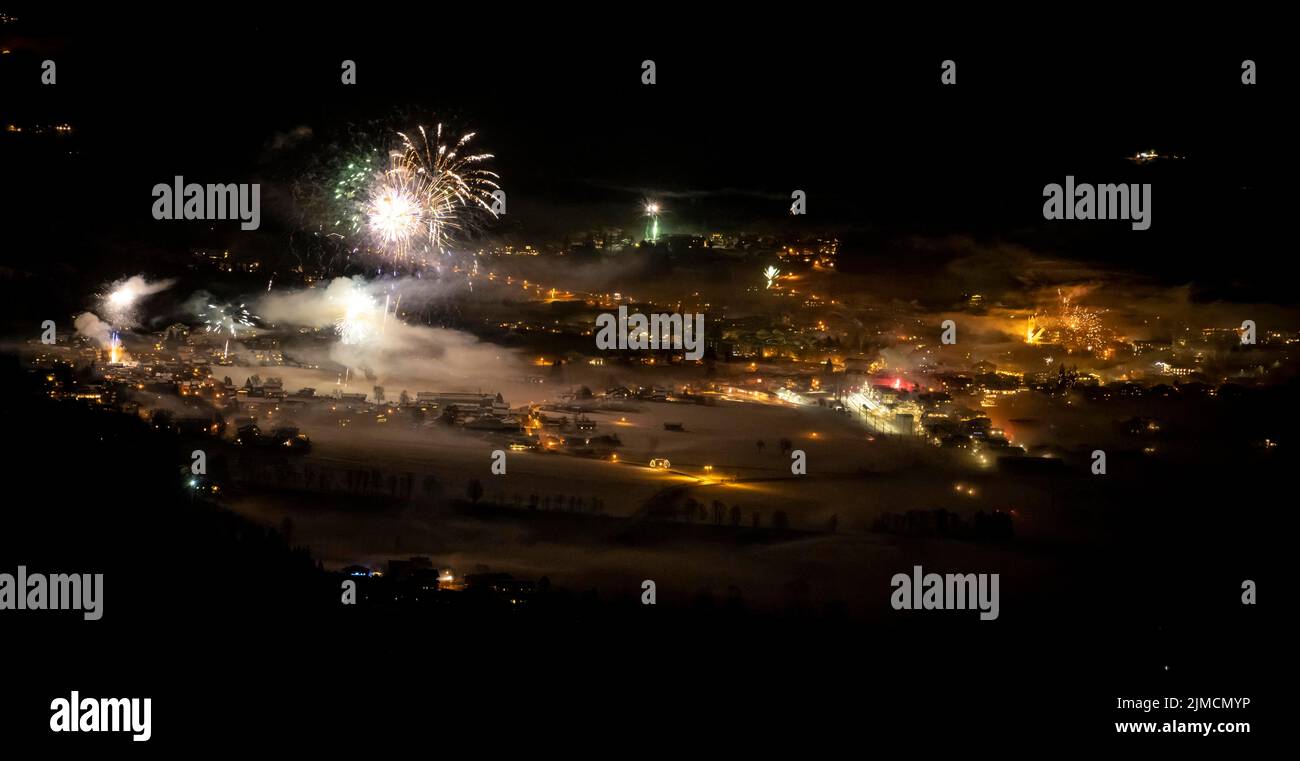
852	475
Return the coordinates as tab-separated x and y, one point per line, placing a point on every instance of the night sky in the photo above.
883	151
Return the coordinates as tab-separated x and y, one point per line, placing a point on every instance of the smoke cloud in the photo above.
88	325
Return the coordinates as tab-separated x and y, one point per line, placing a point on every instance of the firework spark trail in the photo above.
1034	330
652	210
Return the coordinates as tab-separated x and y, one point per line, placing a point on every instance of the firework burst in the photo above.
396	212
227	318
435	191
383	193
120	302
771	274
351	191
329	196
1069	324
359	316
1083	327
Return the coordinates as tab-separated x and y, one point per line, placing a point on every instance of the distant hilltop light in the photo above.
1146	157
